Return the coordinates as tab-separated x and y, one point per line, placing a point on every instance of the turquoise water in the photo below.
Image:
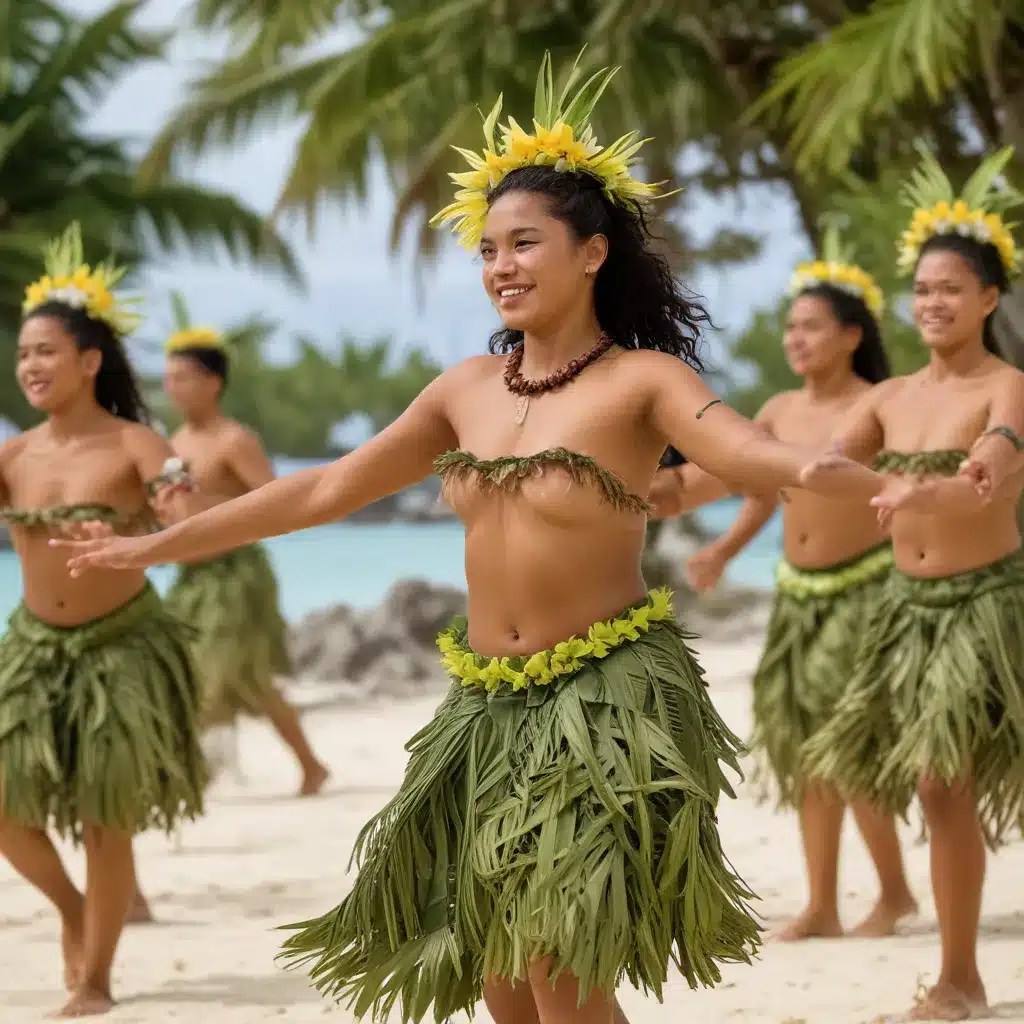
356	564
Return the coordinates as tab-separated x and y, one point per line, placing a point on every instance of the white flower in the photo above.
70	296
172	466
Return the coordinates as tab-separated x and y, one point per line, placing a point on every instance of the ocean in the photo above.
356	564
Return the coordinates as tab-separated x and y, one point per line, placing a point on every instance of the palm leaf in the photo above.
870	66
179	311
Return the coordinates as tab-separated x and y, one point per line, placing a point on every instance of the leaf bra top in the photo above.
937	462
507	472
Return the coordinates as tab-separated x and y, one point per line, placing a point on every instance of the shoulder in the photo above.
14	446
874	395
469	372
139	438
647	366
235	433
775	406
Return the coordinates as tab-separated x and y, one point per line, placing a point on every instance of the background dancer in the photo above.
837	559
510	865
98	698
232	600
935	708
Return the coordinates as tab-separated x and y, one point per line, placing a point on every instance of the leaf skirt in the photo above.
574	819
98	721
817	623
232	602
938	694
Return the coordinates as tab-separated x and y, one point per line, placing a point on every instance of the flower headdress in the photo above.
194	337
562	138
977	213
69	279
836	267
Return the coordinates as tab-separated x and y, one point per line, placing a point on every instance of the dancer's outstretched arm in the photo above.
705	568
999	453
733	448
399	456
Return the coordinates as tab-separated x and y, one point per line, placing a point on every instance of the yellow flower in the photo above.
942	211
960	213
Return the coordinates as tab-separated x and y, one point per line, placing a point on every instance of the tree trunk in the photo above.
1009	324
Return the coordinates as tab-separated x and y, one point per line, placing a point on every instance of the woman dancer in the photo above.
556	829
836	562
97	691
935	708
232	600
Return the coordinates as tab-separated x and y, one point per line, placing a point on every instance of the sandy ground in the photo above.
261	858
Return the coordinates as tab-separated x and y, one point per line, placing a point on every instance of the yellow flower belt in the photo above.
803	584
565	658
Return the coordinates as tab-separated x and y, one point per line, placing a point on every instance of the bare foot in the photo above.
811	924
884	917
313	780
943	1002
86	1002
72	941
139	912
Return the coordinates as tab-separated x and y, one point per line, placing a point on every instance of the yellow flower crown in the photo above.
70	280
837	269
977	213
562	138
194	337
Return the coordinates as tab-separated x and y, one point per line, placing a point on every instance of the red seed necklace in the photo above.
524	389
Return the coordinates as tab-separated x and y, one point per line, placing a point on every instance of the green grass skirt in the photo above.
810	655
98	721
242	637
574	818
938	694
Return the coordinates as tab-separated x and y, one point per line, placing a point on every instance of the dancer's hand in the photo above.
978	473
101	550
832	474
705	568
903	494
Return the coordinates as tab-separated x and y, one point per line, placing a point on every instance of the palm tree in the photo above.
409	89
54	71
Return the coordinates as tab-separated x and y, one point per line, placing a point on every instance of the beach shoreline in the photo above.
261	859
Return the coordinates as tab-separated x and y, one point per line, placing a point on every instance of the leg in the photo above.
285	719
557	1001
110	885
958	875
139	911
821	826
35	858
895	900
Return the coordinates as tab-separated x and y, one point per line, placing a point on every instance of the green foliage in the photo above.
54	70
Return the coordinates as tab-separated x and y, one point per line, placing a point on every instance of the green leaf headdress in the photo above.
69	279
835	267
186	335
562	138
977	213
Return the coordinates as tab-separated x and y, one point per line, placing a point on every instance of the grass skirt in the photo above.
810	654
98	721
233	603
937	694
573	817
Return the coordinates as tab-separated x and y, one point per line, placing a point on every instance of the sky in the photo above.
355	285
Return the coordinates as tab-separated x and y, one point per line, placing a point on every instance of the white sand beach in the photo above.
262	858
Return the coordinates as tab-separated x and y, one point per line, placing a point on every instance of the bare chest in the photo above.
45	477
207	461
942	417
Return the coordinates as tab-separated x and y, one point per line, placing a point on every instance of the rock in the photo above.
389	650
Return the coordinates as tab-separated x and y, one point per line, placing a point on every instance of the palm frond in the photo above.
870	66
91	57
179	311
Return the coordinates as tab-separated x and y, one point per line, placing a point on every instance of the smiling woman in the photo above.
556	829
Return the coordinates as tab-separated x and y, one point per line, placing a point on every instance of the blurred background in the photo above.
276	164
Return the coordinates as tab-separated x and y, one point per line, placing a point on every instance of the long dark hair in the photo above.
638	301
117	389
870	361
985	263
212	360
